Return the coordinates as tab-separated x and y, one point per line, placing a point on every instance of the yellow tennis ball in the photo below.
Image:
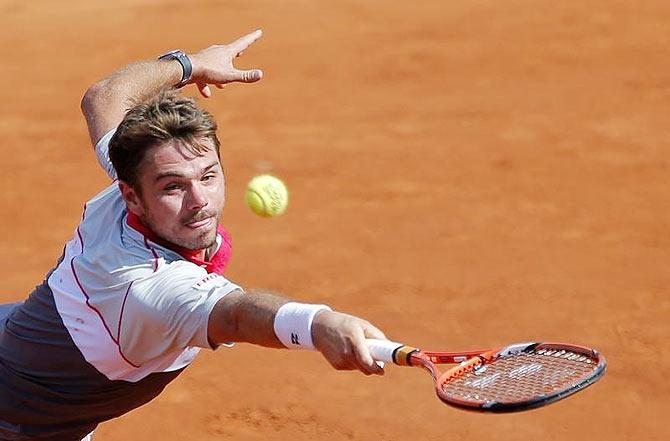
267	196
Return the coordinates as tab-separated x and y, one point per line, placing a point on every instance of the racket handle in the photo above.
382	350
390	351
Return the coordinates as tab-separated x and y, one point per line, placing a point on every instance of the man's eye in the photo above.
208	177
171	187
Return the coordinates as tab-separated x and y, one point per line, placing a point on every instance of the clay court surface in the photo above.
465	173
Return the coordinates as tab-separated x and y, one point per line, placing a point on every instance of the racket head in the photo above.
520	377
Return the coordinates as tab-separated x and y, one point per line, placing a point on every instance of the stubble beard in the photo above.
205	241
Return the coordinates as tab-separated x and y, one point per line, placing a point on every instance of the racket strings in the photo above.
521	377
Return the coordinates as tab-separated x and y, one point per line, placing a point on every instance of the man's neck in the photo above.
207	253
202	255
215	258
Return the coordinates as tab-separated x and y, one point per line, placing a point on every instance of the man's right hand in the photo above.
214	65
341	339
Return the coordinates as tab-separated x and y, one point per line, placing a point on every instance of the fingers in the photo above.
341	338
247	76
353	357
364	360
204	89
214	64
245	41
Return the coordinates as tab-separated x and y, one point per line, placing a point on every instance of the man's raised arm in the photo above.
105	103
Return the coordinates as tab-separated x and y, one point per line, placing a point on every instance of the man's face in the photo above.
182	194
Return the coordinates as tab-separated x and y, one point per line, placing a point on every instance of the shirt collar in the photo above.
217	262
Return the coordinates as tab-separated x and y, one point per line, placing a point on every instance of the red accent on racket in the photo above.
517	377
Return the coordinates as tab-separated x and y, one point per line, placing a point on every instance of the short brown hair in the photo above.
167	116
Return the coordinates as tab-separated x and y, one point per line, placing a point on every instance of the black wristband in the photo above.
186	66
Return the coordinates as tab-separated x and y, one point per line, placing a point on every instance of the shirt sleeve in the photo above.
170	310
102	153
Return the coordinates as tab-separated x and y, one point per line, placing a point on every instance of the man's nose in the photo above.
197	198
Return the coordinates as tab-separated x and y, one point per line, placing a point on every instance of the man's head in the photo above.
166	155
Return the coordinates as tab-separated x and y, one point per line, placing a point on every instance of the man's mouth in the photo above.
203	223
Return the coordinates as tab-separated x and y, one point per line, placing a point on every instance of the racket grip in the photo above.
383	350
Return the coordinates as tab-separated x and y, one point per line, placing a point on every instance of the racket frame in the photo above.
468	361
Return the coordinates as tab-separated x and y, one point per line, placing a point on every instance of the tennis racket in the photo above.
517	377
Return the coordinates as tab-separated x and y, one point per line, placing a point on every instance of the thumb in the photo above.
247	76
371	331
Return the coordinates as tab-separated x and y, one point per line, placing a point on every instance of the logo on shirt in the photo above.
209	282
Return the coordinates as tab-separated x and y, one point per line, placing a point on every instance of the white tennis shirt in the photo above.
131	306
115	321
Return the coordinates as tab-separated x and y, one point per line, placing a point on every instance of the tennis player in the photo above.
139	289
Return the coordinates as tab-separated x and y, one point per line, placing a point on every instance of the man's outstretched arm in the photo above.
254	318
105	103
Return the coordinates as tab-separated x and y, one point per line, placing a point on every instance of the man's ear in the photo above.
132	198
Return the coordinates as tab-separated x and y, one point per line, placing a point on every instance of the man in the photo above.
139	289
